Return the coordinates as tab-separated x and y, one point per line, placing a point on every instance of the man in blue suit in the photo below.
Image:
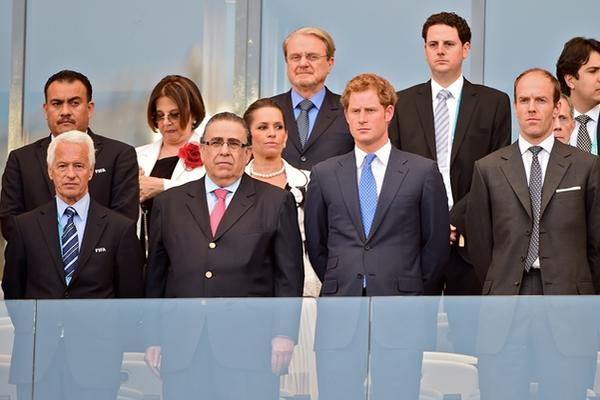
376	222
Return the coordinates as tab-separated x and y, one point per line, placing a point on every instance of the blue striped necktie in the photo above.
70	245
367	194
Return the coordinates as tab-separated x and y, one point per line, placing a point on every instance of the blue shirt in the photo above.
211	198
82	207
317	100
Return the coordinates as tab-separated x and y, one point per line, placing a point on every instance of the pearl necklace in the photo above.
269	175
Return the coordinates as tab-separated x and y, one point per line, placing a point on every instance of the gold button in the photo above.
208	274
212	245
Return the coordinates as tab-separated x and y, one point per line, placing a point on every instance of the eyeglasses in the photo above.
310	57
171	117
217	143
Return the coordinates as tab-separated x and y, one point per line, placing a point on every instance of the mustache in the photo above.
63	120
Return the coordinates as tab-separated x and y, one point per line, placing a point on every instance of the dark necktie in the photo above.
583	138
302	121
70	244
367	193
535	195
219	209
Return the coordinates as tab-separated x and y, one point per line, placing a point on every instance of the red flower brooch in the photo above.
190	154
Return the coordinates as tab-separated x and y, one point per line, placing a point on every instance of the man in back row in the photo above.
317	129
25	182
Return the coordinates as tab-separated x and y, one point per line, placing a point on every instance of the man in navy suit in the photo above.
376	223
320	130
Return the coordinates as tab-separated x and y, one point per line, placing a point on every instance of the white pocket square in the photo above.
568	189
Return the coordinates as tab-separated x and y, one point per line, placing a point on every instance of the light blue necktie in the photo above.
441	121
367	193
70	245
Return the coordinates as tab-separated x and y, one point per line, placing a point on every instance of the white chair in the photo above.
450	377
139	377
456	357
430	394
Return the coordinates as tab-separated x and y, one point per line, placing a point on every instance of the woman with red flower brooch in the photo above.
175	109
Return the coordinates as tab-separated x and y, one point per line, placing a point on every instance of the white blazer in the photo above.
148	154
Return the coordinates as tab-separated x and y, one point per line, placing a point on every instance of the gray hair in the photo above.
74	137
569	102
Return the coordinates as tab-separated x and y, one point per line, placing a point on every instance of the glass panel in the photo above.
508	52
16	347
125	49
388	42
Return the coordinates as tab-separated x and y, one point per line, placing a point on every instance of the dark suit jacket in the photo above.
26	185
109	266
499	221
256	252
329	137
408	242
483	126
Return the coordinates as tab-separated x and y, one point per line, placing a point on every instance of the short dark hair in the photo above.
259	104
451	19
69	76
547	74
575	53
228	116
184	92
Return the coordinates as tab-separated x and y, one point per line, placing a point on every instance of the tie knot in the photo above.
535	150
444	95
221	193
582	119
369	159
70	212
306	105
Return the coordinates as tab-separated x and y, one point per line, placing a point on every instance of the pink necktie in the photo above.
219	209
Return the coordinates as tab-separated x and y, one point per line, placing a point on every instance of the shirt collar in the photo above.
546	144
317	98
81	206
383	154
211	186
455	88
594	113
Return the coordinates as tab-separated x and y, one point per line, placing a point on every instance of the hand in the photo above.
150	187
152	359
282	349
453	234
141	172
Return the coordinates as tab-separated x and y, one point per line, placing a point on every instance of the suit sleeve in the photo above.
287	252
12	200
593	226
158	258
125	195
130	264
435	226
479	235
315	226
15	266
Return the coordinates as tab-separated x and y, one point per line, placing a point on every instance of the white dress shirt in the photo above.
452	102
378	166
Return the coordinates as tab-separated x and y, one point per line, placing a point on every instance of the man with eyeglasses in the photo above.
25	182
317	129
225	235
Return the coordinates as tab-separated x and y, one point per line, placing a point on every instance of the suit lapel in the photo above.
198	206
292	127
396	171
48	225
468	100
98	145
94	227
41	153
348	181
425	111
327	114
514	171
242	200
558	164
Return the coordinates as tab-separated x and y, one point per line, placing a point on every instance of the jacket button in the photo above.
302	158
517	283
67	294
367	247
208	274
212	245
